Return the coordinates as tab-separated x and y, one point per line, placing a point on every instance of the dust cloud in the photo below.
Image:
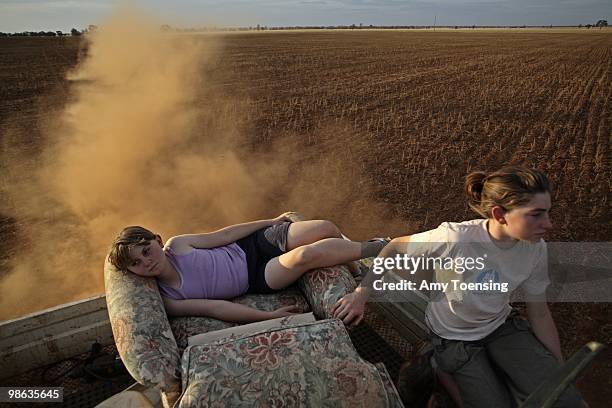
141	142
146	138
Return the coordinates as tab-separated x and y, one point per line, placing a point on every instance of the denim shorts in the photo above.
260	247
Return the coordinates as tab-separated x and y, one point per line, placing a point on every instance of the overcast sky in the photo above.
36	15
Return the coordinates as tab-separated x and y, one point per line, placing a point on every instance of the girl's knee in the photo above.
329	229
308	256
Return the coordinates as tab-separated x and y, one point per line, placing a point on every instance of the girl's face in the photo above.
147	260
531	221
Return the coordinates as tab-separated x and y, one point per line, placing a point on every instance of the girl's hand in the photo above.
285	311
283	218
350	309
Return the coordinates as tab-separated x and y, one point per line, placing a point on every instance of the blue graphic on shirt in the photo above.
488	275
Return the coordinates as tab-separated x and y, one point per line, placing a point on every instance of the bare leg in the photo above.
282	271
308	232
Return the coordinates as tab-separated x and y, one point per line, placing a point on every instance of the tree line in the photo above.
75	32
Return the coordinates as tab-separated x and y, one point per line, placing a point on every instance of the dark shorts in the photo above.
260	247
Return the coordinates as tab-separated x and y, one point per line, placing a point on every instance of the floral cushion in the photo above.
310	365
185	327
323	287
141	329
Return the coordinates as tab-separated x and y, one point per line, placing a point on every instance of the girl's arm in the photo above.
224	236
350	308
223	310
543	326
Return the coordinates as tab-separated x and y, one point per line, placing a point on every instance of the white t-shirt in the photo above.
464	313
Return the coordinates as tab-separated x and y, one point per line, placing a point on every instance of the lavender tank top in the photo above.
215	273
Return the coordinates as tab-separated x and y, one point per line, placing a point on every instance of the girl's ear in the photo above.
498	213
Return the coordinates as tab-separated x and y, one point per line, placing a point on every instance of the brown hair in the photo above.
508	187
130	237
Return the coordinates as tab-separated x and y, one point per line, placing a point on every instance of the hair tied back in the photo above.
474	184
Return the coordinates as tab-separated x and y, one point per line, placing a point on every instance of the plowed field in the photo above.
378	128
